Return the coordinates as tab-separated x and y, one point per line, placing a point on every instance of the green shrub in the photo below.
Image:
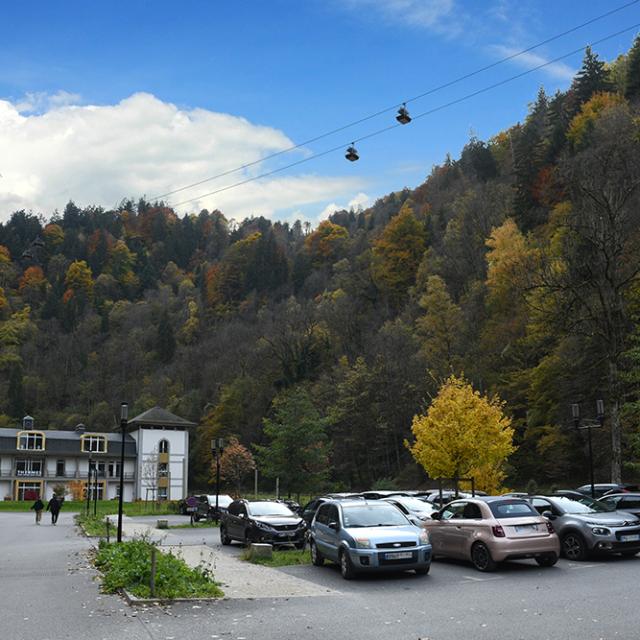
127	565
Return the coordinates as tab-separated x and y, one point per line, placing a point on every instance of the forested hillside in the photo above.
516	264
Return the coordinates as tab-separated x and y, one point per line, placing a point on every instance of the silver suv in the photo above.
587	527
368	536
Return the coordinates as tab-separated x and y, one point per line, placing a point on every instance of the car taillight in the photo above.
550	528
498	531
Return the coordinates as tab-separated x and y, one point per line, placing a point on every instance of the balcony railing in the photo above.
71	475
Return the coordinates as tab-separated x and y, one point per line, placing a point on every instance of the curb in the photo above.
134	601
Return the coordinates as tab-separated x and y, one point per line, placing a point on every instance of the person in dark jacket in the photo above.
54	507
38	506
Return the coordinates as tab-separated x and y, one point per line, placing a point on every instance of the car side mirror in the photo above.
548	515
436	515
333	525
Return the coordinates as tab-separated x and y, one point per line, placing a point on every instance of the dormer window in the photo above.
91	443
30	441
163	446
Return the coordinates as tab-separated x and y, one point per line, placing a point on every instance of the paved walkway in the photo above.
238	579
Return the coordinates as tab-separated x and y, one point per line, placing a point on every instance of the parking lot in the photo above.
49	592
581	600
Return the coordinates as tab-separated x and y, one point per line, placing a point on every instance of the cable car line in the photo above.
387	109
415	117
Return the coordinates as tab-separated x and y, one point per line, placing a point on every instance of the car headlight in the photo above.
424	537
600	531
262	525
363	543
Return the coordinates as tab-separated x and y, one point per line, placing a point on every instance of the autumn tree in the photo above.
463	434
397	254
297	452
236	463
439	329
632	84
325	243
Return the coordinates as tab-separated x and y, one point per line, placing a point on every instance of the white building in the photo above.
33	461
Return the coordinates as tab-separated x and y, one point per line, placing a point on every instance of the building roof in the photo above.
67	443
159	417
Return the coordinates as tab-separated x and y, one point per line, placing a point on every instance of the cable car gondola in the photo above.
403	116
352	154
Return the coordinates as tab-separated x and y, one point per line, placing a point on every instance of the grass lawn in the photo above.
281	558
128	566
105	507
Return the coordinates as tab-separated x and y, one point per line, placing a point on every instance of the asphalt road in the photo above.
47	592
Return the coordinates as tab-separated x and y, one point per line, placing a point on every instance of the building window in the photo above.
114	469
163	446
29	468
92	489
93	443
162	493
28	490
163	470
31	441
60	469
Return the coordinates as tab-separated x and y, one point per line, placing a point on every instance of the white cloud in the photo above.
141	145
40	101
359	201
441	16
529	60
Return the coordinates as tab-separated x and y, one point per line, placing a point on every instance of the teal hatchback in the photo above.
364	536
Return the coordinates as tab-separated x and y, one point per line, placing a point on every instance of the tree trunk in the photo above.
616	427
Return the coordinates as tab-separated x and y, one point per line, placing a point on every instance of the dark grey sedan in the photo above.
589	528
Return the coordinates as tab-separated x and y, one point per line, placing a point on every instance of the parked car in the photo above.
363	535
489	530
262	521
309	510
207	506
629	502
447	496
416	510
603	488
379	495
589	528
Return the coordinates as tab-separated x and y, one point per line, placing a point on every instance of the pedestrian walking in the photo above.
38	506
54	506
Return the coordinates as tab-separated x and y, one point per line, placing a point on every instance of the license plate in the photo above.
285	535
398	555
632	538
526	527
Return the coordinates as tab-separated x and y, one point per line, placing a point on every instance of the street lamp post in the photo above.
88	485
124	413
95	488
217	447
575	412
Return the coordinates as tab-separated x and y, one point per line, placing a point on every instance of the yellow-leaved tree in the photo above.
463	435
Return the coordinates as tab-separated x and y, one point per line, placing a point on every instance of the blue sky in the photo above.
100	101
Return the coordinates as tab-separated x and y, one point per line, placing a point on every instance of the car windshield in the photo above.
514	508
413	504
594	504
223	500
372	515
584	505
268	509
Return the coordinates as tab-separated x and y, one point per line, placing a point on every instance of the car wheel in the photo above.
316	557
346	566
574	547
422	571
224	538
481	557
548	560
196	518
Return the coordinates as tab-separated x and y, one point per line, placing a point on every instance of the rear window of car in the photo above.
512	509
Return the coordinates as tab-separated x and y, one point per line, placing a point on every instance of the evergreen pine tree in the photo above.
632	88
15	393
592	77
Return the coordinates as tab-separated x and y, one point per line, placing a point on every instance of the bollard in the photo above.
152	576
162	524
107	525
